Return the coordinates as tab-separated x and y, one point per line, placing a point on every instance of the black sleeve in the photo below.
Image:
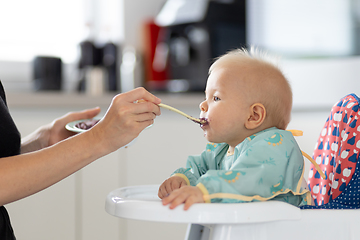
10	139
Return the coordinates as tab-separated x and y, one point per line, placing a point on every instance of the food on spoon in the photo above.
87	124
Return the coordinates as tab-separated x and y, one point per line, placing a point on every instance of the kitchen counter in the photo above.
61	99
82	100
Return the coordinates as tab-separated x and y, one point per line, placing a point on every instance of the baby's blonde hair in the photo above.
268	84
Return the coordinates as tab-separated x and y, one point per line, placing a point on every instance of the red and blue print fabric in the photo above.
337	153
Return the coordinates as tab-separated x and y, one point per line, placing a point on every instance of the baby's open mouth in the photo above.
203	122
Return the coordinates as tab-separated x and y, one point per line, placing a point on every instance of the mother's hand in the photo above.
54	132
57	130
126	118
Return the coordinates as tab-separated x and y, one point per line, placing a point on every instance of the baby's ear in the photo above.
257	114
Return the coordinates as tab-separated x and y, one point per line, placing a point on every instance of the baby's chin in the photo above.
208	137
211	138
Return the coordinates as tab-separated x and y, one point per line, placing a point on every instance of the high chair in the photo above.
337	153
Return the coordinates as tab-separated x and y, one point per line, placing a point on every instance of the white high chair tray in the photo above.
142	203
262	220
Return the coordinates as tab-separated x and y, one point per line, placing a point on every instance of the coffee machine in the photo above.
192	34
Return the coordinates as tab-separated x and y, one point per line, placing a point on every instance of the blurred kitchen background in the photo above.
60	56
115	45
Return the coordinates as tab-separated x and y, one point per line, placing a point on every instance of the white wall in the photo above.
319	83
136	12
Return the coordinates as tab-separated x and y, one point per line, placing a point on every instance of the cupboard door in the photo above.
156	154
97	181
51	213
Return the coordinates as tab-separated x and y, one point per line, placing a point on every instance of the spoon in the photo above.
197	120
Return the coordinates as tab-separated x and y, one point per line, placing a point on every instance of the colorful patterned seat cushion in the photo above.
337	153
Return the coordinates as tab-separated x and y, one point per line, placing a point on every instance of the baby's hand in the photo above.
187	194
170	185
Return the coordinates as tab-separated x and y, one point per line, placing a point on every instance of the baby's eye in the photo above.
216	98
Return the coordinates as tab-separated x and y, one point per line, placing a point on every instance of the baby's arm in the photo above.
187	194
235	185
196	166
181	177
171	184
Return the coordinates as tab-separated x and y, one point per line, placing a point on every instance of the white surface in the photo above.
260	221
142	203
135	14
314	224
303	28
181	11
71	126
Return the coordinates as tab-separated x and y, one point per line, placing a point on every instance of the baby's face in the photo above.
226	108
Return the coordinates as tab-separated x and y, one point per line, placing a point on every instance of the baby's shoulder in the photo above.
271	137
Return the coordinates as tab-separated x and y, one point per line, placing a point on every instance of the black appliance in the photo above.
104	56
47	73
193	46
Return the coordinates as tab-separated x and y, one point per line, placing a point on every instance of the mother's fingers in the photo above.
125	100
140	93
84	114
124	119
143	117
146	107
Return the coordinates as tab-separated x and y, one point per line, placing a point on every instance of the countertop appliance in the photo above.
193	33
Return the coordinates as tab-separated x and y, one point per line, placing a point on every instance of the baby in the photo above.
251	156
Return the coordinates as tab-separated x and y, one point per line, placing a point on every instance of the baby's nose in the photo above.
203	106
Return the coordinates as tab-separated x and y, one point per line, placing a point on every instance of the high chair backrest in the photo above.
337	153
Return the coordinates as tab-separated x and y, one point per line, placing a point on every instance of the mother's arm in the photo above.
58	155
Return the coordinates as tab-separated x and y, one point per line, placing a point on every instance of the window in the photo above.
40	27
305	28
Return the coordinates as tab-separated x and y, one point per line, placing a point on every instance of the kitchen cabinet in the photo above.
52	213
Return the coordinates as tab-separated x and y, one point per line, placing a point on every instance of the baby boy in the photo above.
250	157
